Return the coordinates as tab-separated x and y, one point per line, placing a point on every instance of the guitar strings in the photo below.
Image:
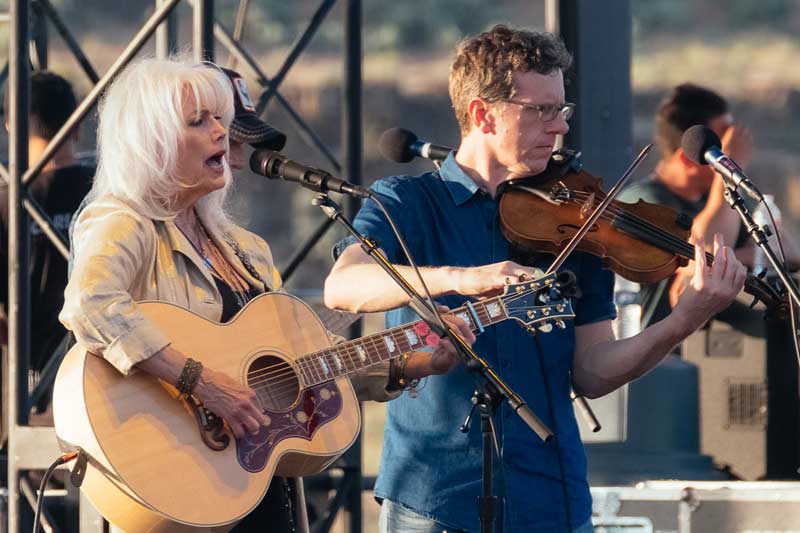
284	378
308	359
305	363
348	349
285	381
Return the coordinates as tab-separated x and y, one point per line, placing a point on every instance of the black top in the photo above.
47	267
231	303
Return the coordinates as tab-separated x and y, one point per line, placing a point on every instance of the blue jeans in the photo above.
398	519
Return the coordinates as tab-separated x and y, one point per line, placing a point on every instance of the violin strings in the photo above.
753	284
658	234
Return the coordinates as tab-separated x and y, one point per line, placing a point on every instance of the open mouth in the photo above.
215	161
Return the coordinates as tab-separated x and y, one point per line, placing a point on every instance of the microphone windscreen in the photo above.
260	162
395	143
696	141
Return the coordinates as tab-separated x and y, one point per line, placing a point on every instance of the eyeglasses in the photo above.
546	112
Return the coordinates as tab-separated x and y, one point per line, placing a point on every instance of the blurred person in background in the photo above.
59	190
247	127
692	189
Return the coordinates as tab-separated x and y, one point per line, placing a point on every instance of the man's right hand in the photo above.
489	280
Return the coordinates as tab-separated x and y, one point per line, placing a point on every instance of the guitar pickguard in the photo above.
317	406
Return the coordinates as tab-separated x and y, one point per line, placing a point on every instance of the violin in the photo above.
642	242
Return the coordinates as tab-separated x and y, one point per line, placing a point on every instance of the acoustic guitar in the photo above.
155	463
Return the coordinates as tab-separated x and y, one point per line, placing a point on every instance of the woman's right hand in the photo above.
235	404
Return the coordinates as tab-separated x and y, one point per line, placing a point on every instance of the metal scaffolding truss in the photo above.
34	448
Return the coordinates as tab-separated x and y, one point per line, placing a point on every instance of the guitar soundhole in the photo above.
275	382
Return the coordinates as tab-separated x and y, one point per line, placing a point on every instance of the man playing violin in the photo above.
507	90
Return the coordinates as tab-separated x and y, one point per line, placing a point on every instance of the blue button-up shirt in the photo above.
427	464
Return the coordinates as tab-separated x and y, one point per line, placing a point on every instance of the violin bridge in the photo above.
587	207
560	193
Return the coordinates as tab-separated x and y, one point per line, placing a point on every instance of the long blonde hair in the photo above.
141	121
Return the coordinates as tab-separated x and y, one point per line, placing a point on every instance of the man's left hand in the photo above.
711	289
444	357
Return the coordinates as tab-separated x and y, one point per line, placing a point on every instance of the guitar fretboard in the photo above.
351	356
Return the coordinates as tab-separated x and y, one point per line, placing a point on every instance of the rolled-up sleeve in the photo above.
112	247
370	384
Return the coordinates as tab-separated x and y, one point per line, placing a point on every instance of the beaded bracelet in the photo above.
402	381
190	375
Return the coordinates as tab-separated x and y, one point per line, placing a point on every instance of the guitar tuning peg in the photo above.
531	330
524	277
508	280
546	327
560	324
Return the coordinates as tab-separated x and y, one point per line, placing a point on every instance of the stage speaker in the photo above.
748	393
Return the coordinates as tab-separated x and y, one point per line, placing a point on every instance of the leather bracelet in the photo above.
393	383
189	377
399	377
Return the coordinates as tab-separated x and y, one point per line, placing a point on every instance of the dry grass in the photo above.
744	65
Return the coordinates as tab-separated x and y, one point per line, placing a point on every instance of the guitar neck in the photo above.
352	356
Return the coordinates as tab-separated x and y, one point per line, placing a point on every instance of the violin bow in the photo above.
584	229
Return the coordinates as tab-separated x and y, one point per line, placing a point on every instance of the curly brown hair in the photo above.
485	63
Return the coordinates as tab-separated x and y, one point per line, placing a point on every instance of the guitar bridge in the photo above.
212	428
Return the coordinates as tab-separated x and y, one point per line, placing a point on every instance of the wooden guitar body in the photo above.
149	469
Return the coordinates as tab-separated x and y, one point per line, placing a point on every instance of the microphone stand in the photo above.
493	388
760	237
486	403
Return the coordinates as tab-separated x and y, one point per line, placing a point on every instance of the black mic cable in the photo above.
64	458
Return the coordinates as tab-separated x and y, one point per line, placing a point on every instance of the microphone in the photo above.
401	146
701	145
275	165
